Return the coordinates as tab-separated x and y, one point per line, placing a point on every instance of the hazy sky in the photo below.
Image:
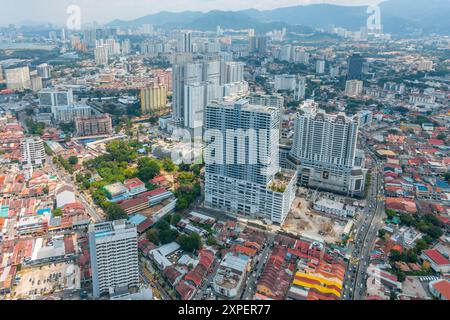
102	11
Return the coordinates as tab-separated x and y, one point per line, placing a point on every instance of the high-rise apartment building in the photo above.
36	83
32	151
285	82
113	249
66	114
89	37
355	66
187	74
323	151
353	88
195	98
241	156
93	125
101	55
300	89
153	99
185	42
320	66
234	72
268	100
44	71
18	78
54	97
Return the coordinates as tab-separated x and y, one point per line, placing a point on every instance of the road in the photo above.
250	286
199	295
146	274
67	178
366	235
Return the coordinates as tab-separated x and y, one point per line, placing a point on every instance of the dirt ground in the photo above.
47	279
303	221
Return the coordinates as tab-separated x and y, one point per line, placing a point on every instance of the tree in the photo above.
390	213
115	212
401	276
167	236
45	190
153	236
190	243
148	169
162	225
184	167
421	244
381	233
406	219
434	232
392	295
57	213
211	241
168	165
395	255
175	219
79	178
195	168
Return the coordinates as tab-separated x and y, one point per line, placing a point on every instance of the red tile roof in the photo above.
158	179
132	183
436	142
443	287
185	290
436	256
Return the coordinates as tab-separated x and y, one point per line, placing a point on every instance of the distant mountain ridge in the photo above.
397	17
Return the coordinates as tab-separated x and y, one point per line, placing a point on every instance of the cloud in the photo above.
104	11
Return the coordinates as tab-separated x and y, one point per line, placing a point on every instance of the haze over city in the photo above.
103	11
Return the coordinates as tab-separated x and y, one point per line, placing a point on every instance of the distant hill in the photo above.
398	17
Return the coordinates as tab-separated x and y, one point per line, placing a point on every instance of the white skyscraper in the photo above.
300	56
114	256
193	73
234	72
320	66
18	78
323	151
353	88
182	75
55	97
285	82
126	47
300	89
101	55
286	52
241	156
32	151
195	96
44	70
185	42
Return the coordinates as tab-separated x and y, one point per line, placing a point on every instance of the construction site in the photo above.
304	221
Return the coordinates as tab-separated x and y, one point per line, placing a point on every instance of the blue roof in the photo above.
42	211
421	187
442	184
137	219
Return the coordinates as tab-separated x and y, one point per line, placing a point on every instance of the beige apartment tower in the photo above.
153	99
